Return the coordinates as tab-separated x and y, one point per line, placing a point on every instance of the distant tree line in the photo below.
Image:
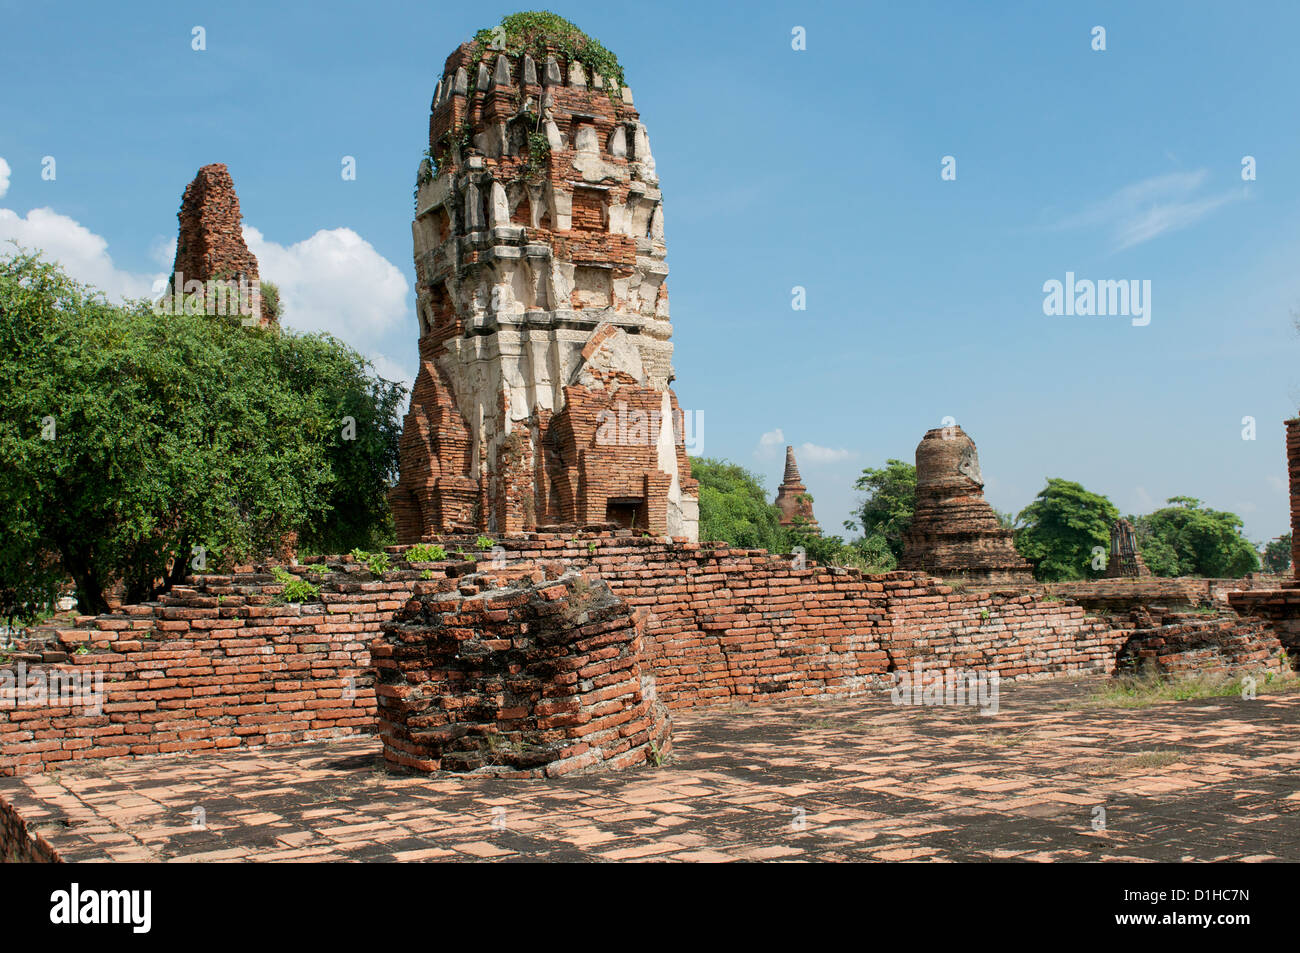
1059	532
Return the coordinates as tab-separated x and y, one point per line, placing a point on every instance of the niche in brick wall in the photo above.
626	512
440	306
589	210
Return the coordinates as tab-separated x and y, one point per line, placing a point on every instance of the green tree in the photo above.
130	439
734	507
887	508
1277	555
1060	529
1186	539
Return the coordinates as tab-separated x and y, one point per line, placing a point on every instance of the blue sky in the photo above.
817	168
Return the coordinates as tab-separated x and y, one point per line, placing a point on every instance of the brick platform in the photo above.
1207	780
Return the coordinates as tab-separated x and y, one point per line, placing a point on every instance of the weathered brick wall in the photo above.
1293	477
222	663
535	672
1128	592
19	844
1280	607
1185	644
1015	633
216	666
732	623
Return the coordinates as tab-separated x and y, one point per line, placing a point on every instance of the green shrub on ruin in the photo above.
425	553
533	31
134	442
295	588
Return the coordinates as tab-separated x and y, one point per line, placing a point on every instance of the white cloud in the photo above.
813	454
4	177
163	251
333	281
770	444
82	253
1139	212
391	370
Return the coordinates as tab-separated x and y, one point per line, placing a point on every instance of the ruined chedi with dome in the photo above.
542	399
955	533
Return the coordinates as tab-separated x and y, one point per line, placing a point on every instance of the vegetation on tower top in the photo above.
537	31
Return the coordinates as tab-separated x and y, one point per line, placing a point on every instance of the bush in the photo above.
425	553
296	589
132	442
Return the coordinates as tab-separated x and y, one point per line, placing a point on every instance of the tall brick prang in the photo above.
954	532
792	497
210	245
542	397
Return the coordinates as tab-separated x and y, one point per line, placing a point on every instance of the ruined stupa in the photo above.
1124	559
792	497
542	397
210	249
954	532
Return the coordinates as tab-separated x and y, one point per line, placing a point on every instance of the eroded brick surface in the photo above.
210	245
542	673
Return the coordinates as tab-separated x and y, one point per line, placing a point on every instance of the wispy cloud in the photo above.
812	453
771	446
1140	212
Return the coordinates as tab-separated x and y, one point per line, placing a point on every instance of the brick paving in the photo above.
848	779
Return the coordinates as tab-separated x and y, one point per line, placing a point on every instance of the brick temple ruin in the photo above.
210	249
543	396
792	497
543	414
955	533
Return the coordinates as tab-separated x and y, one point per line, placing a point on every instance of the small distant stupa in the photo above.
1125	560
955	532
792	497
